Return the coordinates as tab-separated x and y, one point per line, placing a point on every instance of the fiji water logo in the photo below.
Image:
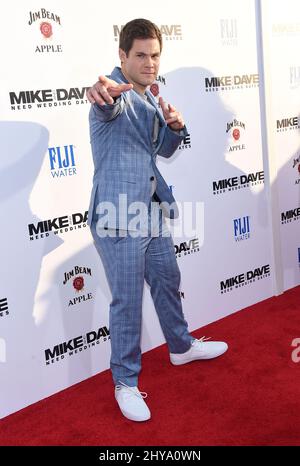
294	77
229	31
241	228
62	161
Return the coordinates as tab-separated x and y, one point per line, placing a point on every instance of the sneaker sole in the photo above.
206	358
133	418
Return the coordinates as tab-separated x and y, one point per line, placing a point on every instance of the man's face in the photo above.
141	65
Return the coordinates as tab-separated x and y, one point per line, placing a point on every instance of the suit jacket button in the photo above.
151	178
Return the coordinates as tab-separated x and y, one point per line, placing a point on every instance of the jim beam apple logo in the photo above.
76	275
234	129
78	283
46	29
45	20
296	166
154	88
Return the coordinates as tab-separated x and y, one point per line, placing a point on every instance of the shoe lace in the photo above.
202	339
131	389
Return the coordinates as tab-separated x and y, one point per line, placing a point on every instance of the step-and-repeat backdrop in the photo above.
54	296
281	39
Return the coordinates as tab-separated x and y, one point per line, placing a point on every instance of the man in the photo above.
127	132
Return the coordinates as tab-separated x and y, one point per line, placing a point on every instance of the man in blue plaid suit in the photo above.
128	131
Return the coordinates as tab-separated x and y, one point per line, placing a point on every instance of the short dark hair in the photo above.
138	29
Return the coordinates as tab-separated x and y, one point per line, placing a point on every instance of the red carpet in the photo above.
249	396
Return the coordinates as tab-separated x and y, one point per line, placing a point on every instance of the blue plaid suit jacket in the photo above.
124	154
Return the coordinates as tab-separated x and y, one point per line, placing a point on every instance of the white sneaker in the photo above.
131	403
200	349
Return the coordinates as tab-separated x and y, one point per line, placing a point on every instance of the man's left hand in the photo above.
173	118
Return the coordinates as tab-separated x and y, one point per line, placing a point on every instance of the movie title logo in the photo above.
57	225
47	98
244	279
236	183
185	143
187	247
289	216
76	345
4	311
286	29
168	31
227	83
287	124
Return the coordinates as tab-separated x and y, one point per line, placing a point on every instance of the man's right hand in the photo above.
103	91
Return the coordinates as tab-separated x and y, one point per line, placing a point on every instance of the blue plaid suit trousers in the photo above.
127	261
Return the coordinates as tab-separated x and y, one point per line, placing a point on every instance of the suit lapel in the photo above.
153	102
162	123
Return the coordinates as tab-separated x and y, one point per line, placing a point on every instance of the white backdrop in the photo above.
281	38
54	296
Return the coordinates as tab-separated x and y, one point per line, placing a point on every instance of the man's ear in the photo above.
122	55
